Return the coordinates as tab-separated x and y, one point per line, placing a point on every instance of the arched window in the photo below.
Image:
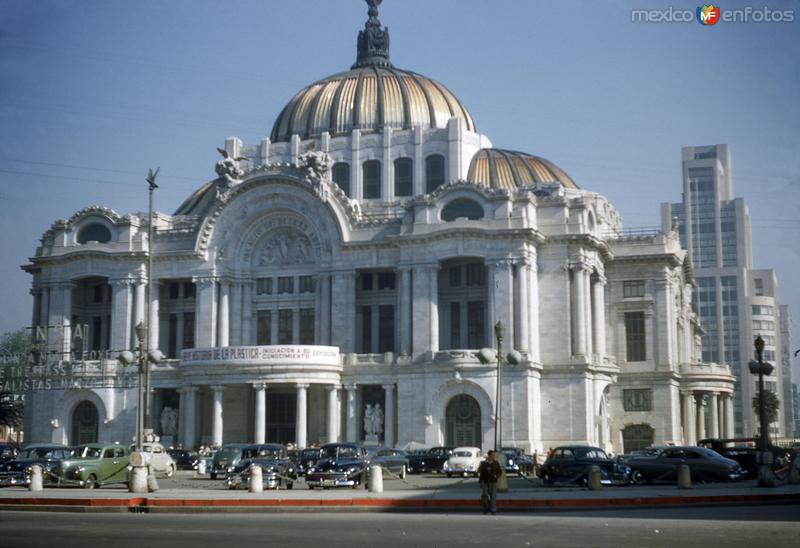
404	177
462	207
85	420
341	176
434	172
372	179
95	232
463	422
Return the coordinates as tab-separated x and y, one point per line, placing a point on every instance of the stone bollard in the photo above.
256	482
36	478
375	479
595	478
137	481
684	477
152	484
502	481
201	467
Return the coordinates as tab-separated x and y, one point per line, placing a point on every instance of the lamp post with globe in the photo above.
759	367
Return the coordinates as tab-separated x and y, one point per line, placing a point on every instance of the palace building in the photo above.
338	280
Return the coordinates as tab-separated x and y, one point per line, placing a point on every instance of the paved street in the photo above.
740	526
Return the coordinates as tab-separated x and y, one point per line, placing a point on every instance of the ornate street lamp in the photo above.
760	367
488	355
152	186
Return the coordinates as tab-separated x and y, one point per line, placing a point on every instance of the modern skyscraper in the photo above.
791	411
734	302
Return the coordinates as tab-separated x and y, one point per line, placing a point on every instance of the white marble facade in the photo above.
287	302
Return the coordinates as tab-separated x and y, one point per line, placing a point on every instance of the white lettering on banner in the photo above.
319	355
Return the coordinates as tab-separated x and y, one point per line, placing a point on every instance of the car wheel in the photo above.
547	478
170	470
637	478
311	487
449	475
289	484
91	482
584	481
403	472
213	476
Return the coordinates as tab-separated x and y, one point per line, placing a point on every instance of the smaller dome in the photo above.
509	169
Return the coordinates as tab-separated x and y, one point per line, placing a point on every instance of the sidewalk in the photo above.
432	500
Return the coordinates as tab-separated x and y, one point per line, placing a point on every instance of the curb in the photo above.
152	505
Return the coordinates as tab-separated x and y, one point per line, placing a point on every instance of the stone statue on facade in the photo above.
377	420
373	421
317	163
228	168
286	247
169	421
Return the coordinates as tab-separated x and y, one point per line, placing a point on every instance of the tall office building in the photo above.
791	412
734	302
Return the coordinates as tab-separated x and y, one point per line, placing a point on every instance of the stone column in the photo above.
224	313
295	325
533	308
216	415
502	287
247	314
352	422
425	308
388	427
404	307
260	422
729	416
599	316
580	311
154	317
205	317
325	309
301	428
66	317
522	309
121	314
333	413
701	418
490	315
139	300
189	435
713	404
181	416
235	337
688	418
343	314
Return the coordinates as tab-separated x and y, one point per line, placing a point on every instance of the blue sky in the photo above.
92	93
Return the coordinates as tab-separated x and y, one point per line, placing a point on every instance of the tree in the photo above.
15	342
771	405
11	403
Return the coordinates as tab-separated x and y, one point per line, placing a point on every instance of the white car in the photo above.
157	459
464	461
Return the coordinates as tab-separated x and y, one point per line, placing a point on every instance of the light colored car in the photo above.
464	461
157	458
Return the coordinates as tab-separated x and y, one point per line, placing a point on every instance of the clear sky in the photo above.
93	93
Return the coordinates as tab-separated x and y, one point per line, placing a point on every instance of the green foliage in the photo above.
10	411
771	405
13	342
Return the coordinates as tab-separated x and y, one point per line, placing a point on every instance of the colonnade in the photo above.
588	309
706	415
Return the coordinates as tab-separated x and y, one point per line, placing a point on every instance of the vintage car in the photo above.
572	463
704	465
430	460
48	456
184	460
8	451
341	465
307	458
513	460
464	461
277	469
158	459
96	464
229	455
393	460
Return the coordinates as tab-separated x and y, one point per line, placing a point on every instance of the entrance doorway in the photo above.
463	422
85	421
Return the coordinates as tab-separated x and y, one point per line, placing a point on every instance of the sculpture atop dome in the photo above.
373	42
228	168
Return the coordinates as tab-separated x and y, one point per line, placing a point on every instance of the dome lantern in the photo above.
373	42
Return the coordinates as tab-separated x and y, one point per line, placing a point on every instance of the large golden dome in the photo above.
509	169
371	96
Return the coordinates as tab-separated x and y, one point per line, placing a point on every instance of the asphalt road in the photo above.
731	527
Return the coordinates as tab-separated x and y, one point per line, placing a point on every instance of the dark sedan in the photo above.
277	469
704	465
229	455
341	465
308	458
8	452
571	464
48	456
184	460
431	460
393	460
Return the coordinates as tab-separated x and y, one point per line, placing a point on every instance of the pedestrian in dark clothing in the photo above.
488	473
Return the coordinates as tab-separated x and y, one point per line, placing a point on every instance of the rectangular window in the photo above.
264	327
366	329
455	325
307	325
635	337
285	285
372	179
341	176
174	290
637	399
172	345
285	331
189	290
97	331
476	324
476	274
306	284
386	280
366	281
386	328
633	288
264	286
403	177
188	330
454	275
759	286
99	293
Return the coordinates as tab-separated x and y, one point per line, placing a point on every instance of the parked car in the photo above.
277	468
307	458
96	464
341	465
184	460
229	455
8	451
513	460
394	460
704	465
464	461
572	463
18	470
742	450
157	458
430	460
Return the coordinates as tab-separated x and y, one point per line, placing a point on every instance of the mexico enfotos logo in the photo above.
710	14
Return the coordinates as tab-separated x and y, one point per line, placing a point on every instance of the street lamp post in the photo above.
761	368
152	186
499	333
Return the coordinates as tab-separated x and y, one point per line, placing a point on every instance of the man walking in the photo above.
488	473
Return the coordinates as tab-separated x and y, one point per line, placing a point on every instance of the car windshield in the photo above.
462	453
6	452
343	452
86	452
307	454
263	453
228	453
590	453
